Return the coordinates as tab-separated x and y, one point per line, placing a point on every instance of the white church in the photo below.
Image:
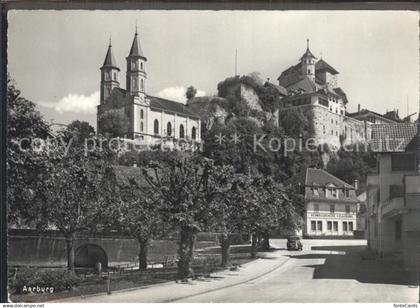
132	113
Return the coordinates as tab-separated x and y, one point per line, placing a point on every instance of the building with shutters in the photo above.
330	205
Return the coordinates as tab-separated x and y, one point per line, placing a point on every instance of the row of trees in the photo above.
64	189
228	188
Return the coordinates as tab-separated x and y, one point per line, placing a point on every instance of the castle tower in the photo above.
109	74
136	69
308	63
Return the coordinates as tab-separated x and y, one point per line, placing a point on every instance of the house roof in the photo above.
281	90
367	111
321	65
393	137
110	59
165	104
306	85
392	115
136	50
321	177
125	174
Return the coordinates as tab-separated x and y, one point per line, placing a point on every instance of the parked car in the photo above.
294	243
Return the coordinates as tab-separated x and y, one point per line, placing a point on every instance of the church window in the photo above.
141	65
115	76
156	127
169	129
134	65
181	131
142	84
135	84
141	126
141	114
193	133
309	71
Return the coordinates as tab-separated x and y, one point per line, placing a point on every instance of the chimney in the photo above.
358	107
356	184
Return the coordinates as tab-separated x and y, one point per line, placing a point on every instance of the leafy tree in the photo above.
70	195
186	187
353	164
133	209
113	123
79	130
25	164
297	123
191	92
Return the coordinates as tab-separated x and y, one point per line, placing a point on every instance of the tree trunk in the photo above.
225	246
70	251
144	247
265	241
254	243
185	252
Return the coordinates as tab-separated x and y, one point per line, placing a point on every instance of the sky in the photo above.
54	56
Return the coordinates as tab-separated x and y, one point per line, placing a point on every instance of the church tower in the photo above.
308	63
109	75
136	70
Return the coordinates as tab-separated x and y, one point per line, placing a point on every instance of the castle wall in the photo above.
329	126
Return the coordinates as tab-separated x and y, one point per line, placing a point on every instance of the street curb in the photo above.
173	282
228	286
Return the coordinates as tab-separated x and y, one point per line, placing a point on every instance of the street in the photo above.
325	271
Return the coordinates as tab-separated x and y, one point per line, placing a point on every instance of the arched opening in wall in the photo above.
156	127
181	131
88	255
193	133
169	129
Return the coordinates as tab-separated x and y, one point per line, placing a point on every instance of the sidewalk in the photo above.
172	291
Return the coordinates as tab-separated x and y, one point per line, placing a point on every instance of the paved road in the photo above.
321	273
325	271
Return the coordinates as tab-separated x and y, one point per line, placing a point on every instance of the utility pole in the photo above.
236	61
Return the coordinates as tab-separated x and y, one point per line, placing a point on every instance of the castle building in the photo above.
132	113
313	84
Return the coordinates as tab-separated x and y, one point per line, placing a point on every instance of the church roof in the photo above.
110	59
321	65
172	106
136	50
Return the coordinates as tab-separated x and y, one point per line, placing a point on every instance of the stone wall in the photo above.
332	128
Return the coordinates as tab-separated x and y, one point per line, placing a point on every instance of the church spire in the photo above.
136	69
109	58
136	50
